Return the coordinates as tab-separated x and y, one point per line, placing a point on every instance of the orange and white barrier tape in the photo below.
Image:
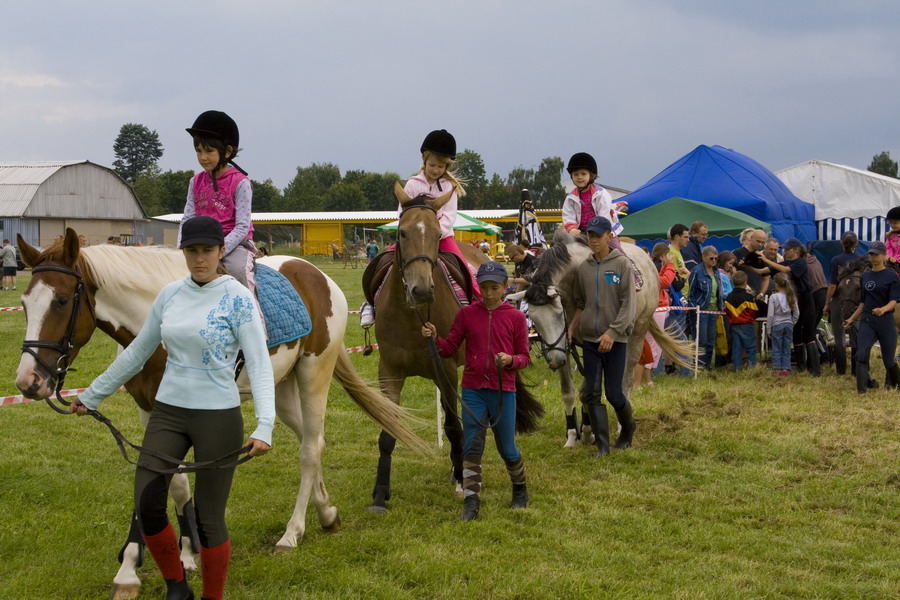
3	308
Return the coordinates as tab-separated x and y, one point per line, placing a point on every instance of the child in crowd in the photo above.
740	306
782	316
223	191
496	336
605	302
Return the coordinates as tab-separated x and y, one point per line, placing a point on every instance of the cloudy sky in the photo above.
358	83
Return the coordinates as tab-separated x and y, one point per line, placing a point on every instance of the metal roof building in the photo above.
40	199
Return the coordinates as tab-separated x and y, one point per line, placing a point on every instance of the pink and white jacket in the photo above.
417	184
603	207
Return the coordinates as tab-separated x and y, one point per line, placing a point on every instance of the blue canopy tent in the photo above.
723	177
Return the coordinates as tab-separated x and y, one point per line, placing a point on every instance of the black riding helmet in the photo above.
894	214
218	125
582	160
440	142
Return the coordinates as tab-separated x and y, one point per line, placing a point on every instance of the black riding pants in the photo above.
173	430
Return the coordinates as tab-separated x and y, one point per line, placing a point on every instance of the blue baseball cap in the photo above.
792	243
877	248
599	225
492	271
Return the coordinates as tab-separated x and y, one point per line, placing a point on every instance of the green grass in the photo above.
737	487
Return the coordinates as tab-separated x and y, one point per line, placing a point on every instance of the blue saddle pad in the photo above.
286	316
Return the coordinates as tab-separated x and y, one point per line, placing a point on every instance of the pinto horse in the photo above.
410	296
551	308
74	291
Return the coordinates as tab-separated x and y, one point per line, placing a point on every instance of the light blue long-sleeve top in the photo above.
202	328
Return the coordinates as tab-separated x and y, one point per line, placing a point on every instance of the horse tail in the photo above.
681	351
393	418
528	409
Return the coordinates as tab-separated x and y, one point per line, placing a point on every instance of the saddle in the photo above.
453	267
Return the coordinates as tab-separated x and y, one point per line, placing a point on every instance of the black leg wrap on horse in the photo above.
572	421
386	444
134	536
187	526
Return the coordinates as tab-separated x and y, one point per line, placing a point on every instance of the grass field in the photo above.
737	487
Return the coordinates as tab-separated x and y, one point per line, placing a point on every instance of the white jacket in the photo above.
603	207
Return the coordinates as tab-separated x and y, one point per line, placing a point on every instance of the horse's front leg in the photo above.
180	490
391	386
452	425
567	389
126	584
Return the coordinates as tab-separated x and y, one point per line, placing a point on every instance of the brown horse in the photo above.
411	295
75	290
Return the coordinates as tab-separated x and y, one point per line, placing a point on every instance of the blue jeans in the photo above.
707	338
743	337
483	404
782	336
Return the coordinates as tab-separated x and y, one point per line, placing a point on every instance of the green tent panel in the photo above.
654	221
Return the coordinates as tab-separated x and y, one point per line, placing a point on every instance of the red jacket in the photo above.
666	277
485	333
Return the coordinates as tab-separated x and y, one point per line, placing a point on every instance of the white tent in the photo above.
845	198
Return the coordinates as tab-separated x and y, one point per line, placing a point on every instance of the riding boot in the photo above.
863	382
800	357
893	376
471	488
840	359
812	359
600	423
626	420
214	568
163	547
516	470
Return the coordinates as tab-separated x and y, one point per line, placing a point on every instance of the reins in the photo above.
58	374
432	347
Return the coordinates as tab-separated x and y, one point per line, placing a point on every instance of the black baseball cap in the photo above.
202	230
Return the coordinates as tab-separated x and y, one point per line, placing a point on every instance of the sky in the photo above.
358	83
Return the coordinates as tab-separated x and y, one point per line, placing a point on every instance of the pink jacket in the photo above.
221	205
485	333
417	184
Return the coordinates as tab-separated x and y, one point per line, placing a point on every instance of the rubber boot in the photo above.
600	423
893	376
812	359
863	382
800	357
519	495
178	590
626	420
840	360
470	508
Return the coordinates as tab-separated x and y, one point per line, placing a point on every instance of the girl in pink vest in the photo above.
223	191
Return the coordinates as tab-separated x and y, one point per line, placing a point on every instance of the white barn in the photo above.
40	199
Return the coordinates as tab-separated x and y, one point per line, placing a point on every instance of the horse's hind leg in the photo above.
306	417
453	427
391	386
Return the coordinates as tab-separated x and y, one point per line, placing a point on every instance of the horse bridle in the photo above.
562	341
405	263
66	344
65	347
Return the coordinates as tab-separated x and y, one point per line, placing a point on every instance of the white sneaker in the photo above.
367	315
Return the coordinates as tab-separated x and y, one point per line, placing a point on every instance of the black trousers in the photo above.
174	430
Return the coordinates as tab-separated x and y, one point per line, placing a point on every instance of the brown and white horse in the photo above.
115	288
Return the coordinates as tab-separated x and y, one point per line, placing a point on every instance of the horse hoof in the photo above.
571	439
378	510
335	525
124	591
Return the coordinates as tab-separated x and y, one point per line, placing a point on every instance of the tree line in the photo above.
322	186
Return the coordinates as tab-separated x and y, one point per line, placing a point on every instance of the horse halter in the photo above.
562	341
66	344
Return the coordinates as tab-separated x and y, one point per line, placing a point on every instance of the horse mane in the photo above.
551	265
122	268
857	265
420	201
